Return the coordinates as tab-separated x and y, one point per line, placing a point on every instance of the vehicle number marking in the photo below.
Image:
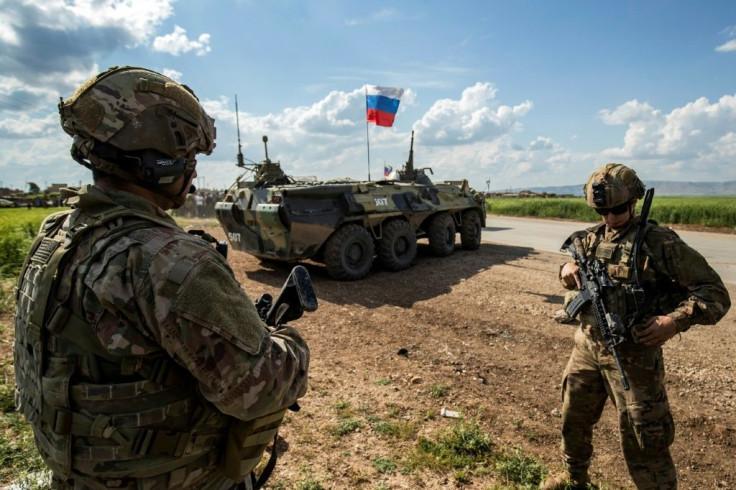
234	237
381	201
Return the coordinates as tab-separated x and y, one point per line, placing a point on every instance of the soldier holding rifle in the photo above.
140	361
636	285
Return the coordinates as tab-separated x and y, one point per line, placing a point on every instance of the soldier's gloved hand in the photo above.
656	331
569	275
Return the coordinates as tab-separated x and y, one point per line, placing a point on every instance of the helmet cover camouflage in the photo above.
134	109
611	185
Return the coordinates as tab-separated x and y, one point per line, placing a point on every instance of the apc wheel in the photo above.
470	230
349	253
442	235
398	247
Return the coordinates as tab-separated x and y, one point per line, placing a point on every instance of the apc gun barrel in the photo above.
241	163
410	162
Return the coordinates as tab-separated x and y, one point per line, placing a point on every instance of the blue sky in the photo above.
521	93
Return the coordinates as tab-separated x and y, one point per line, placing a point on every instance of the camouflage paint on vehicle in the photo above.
276	217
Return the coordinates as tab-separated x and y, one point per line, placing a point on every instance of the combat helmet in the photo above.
138	125
612	185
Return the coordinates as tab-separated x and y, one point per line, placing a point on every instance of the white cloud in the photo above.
628	112
137	19
727	47
327	139
729	31
474	117
338	113
50	46
542	143
173	74
8	34
730	45
178	43
695	138
28	127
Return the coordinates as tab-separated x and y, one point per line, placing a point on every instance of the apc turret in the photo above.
407	172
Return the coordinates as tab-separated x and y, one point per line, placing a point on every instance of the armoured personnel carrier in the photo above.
347	224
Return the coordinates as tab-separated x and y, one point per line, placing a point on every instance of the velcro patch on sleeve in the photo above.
211	297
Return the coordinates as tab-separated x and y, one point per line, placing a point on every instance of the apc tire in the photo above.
349	253
442	235
470	230
398	247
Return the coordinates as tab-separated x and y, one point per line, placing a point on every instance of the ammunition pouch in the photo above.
246	442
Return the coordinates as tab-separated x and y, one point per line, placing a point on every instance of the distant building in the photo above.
55	188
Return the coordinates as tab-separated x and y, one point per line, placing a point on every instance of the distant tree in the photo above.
33	188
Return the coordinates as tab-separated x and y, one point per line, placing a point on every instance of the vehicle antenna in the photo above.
409	167
240	163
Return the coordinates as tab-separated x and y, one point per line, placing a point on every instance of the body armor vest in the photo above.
661	295
120	419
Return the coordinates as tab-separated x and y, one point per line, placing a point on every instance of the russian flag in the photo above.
387	170
381	104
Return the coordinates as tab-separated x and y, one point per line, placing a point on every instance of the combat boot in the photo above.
567	480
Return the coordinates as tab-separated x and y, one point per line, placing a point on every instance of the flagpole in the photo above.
367	139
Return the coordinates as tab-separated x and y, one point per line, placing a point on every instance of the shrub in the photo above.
463	446
384	465
346	426
519	469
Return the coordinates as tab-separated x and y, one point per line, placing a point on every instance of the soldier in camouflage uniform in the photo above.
140	362
681	290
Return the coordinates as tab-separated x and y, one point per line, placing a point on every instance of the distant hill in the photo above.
662	188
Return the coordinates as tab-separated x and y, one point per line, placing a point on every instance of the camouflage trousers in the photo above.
645	421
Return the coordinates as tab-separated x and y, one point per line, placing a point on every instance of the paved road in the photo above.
548	235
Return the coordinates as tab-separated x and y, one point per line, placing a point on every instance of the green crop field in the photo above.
18	226
714	212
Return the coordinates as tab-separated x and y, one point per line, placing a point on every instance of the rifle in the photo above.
594	279
296	297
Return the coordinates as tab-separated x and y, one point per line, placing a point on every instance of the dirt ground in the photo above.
480	325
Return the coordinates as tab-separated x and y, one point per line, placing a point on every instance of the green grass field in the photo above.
18	227
712	212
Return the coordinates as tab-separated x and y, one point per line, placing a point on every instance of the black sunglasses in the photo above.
620	209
